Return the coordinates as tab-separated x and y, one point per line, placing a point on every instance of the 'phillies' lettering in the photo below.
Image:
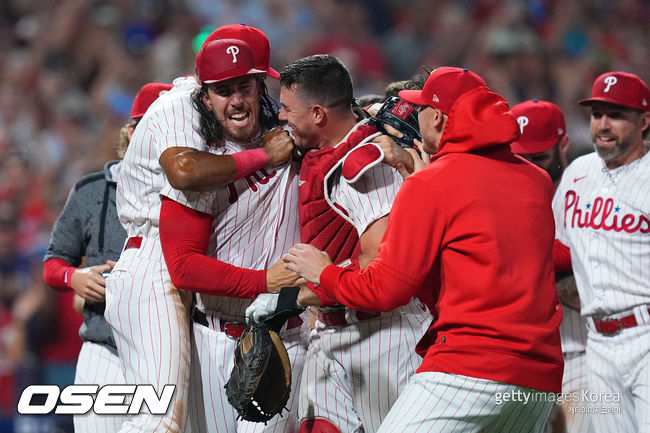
597	217
260	176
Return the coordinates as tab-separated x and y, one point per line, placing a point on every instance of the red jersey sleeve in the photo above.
57	274
561	257
185	236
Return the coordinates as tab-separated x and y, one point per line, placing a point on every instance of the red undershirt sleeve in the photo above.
561	257
57	274
185	236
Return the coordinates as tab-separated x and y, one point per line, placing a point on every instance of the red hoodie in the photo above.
476	228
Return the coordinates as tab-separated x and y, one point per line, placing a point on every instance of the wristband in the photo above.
248	161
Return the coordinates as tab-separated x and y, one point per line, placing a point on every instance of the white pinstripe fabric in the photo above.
170	121
354	374
610	265
150	321
576	418
214	355
97	365
610	262
370	198
255	221
437	402
621	364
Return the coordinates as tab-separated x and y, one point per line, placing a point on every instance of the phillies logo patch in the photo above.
602	215
610	81
233	50
522	121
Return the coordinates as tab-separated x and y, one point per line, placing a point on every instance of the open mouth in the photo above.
239	118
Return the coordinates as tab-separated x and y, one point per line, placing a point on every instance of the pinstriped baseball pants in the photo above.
437	402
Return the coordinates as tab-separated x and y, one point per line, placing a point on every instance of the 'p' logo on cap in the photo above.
522	121
609	81
234	50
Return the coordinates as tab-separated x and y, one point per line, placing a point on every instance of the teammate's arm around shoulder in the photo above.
190	169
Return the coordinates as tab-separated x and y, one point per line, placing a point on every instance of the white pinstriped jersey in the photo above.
369	198
573	329
255	221
170	121
603	216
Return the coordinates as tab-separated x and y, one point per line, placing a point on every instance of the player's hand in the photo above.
278	145
394	154
89	283
278	276
262	307
420	160
307	261
307	297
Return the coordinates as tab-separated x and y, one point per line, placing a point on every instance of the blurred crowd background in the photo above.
69	70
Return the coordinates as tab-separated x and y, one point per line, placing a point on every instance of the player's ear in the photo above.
206	99
563	147
319	114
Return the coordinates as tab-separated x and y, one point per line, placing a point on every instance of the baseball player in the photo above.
460	229
358	361
249	224
88	226
149	316
544	142
602	207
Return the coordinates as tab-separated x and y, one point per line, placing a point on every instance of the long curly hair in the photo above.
211	129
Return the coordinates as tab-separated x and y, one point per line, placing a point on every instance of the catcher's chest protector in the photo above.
320	225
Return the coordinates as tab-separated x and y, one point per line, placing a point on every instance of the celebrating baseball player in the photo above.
544	142
88	226
602	207
460	229
249	224
149	316
358	361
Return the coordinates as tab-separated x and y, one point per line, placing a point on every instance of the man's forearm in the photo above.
567	291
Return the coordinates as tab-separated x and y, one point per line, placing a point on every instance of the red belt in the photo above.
133	242
615	325
339	317
236	329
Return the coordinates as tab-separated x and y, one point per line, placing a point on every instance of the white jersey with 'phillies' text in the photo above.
603	216
170	121
255	221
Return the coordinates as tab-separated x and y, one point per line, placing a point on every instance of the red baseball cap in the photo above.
443	87
255	38
145	97
223	59
541	124
620	88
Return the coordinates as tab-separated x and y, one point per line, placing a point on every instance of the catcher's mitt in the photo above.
400	115
260	381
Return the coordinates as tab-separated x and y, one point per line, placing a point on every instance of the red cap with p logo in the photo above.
620	88
223	59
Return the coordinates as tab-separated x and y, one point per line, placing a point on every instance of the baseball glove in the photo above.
400	115
260	381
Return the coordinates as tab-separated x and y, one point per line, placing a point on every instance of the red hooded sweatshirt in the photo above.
475	227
